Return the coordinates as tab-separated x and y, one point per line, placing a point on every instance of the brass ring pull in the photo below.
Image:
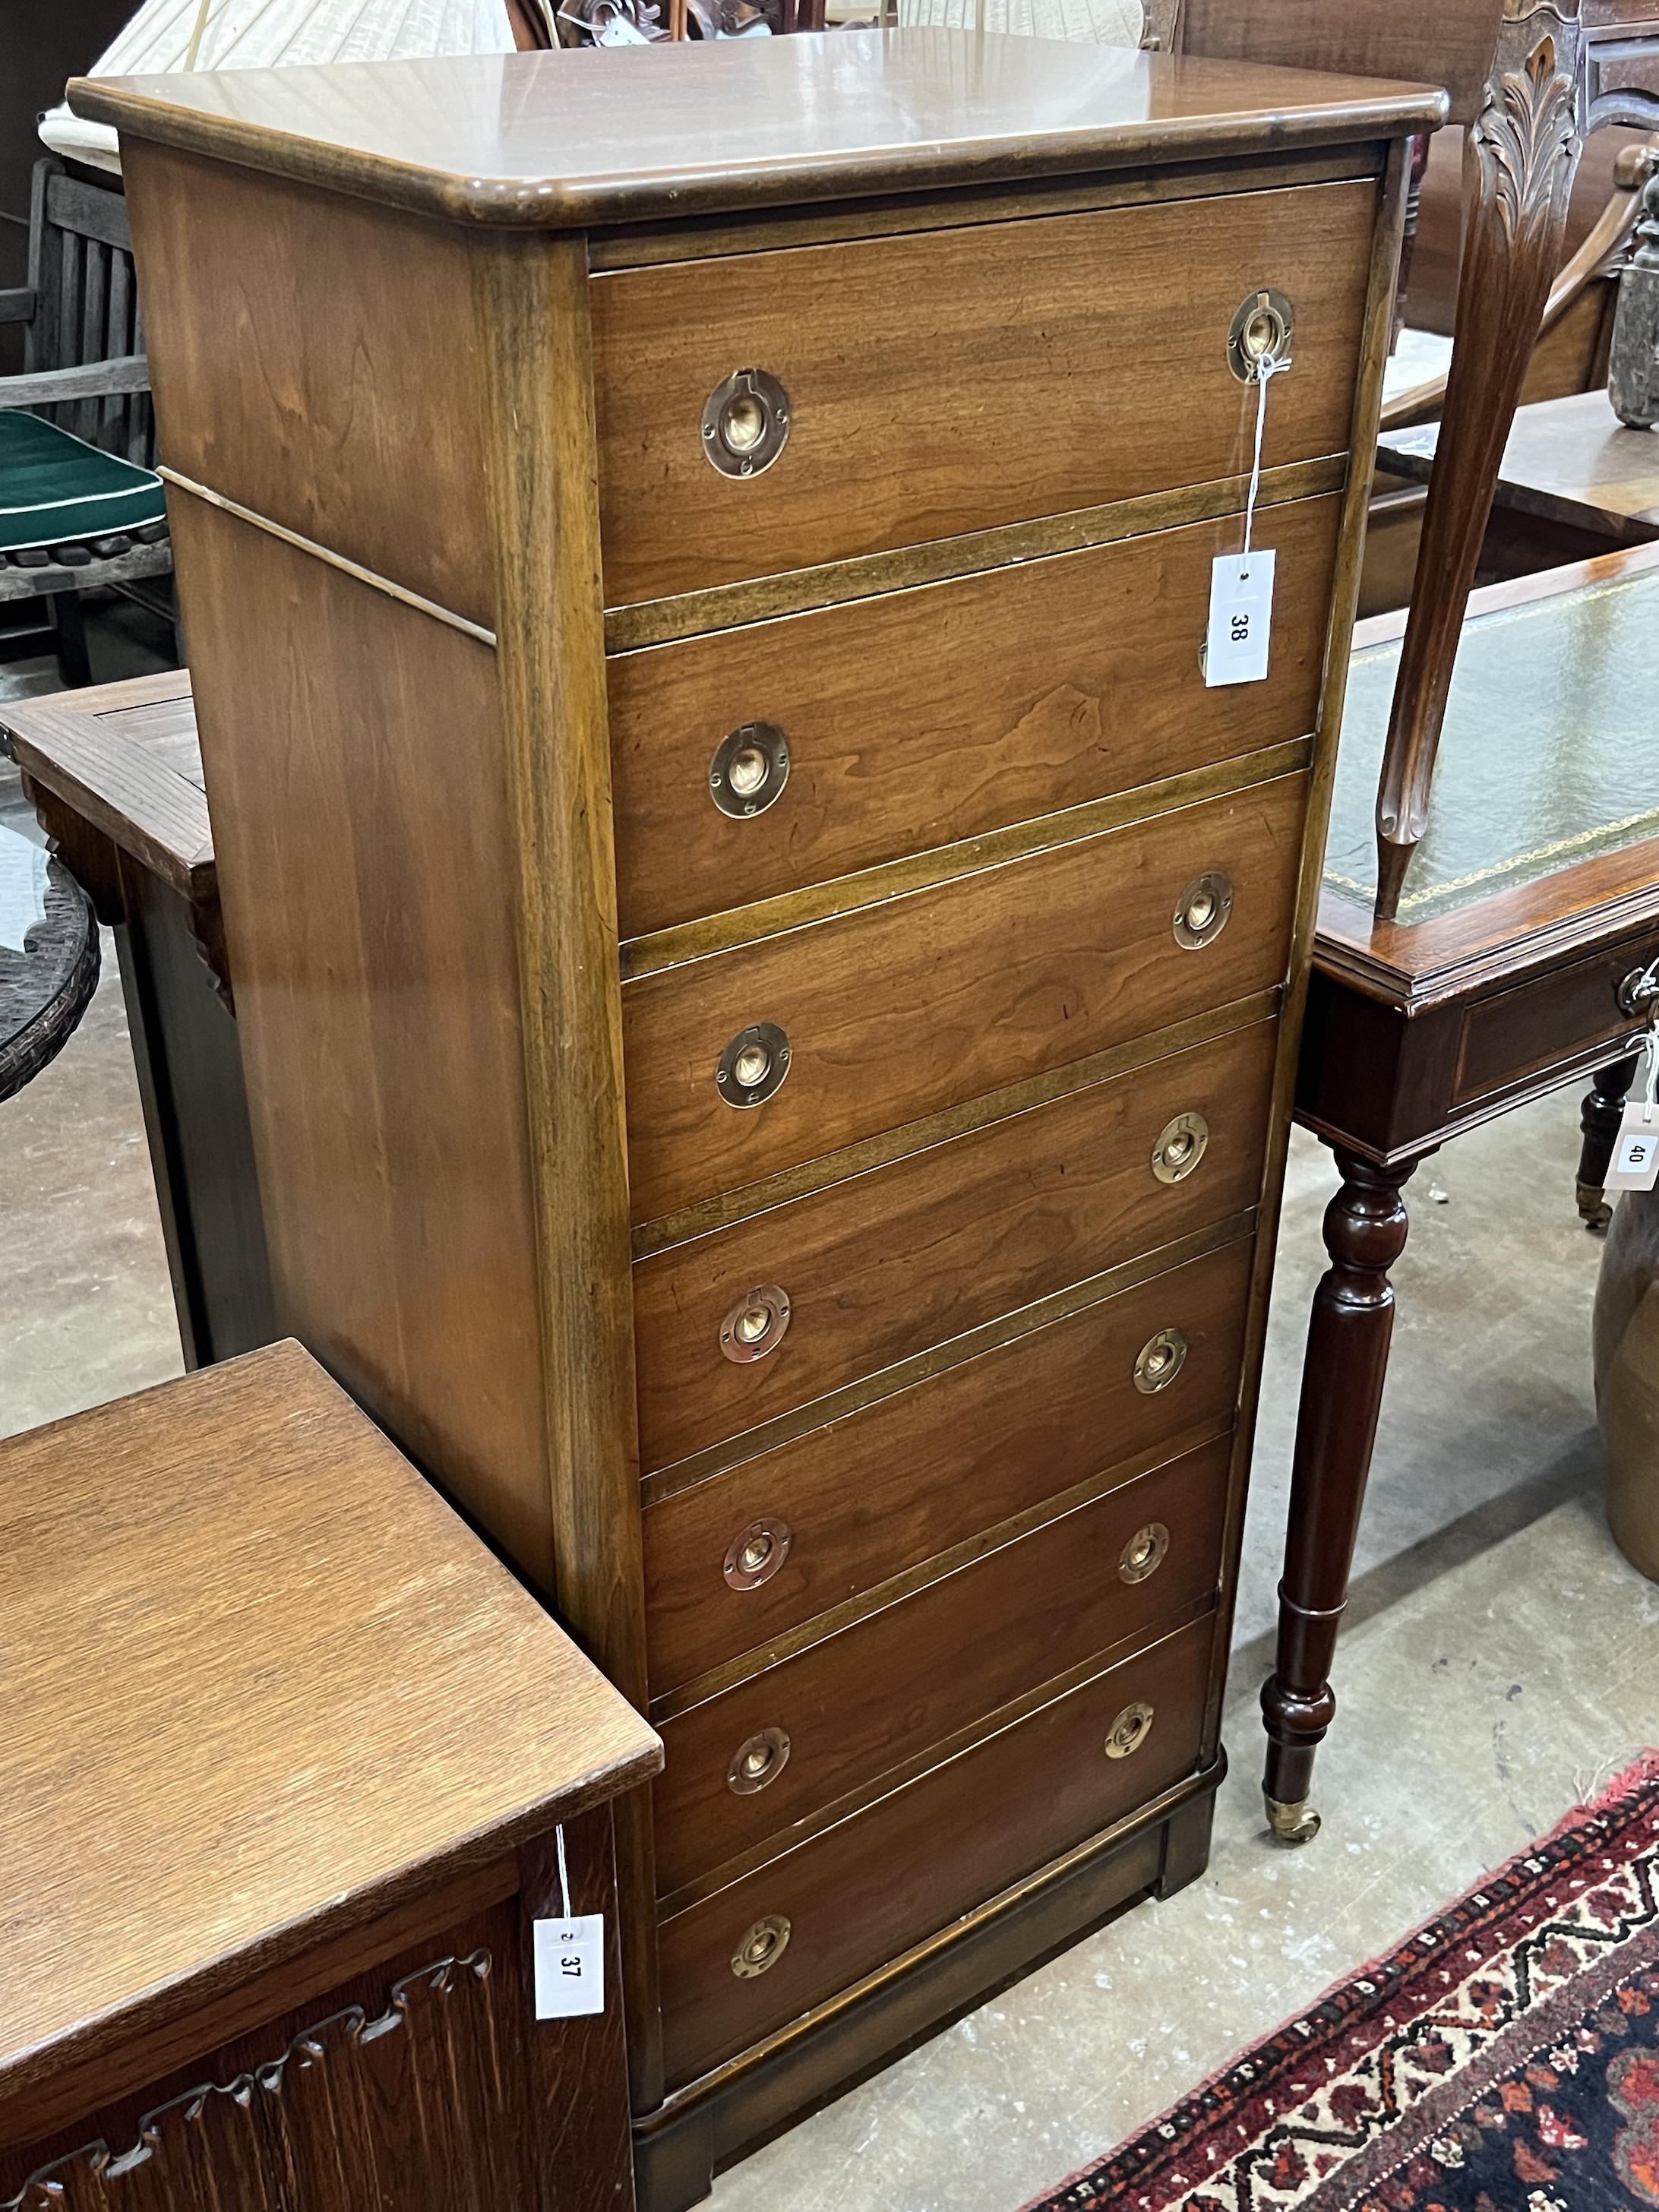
758	1763
1144	1553
1159	1360
1202	910
754	1553
755	1325
746	423
1181	1146
762	1946
753	1066
1261	331
748	771
1129	1730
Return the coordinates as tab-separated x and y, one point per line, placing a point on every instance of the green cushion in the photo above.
56	489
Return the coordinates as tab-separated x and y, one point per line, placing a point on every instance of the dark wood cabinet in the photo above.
766	977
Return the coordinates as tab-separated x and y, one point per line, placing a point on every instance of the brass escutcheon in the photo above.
1179	1147
1261	331
748	771
1129	1730
755	1325
746	423
757	1762
1143	1555
754	1553
753	1064
1159	1360
1202	910
761	1948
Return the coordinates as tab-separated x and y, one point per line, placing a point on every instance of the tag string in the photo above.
1651	1047
564	1873
1268	366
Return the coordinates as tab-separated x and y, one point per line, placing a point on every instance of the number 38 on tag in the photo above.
569	1966
1636	1149
1241	618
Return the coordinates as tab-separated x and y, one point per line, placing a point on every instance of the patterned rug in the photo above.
1504	2058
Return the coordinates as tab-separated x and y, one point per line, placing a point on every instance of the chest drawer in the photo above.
899	1011
848	1900
873	1495
919	718
887	1264
950	381
746	1765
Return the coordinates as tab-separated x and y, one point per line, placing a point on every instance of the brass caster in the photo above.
1291	1824
1593	1209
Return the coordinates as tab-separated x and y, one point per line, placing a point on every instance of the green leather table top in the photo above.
1550	754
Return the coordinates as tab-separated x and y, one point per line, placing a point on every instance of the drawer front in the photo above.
901	1481
921	717
901	1680
887	1264
1520	1033
950	380
901	1010
867	1889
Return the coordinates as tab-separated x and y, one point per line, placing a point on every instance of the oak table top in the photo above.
565	139
261	1686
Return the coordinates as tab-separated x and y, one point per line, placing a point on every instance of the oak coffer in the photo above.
766	972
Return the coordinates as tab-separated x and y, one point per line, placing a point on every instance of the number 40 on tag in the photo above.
1636	1149
1241	618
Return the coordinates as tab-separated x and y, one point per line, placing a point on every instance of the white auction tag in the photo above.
1635	1152
569	1966
1241	618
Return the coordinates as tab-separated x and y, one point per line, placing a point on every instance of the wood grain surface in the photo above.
261	1678
903	1009
879	1267
911	1675
922	717
867	1498
848	1913
314	358
963	378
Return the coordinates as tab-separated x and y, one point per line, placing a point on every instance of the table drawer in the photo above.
948	381
862	1891
869	1496
918	718
898	1010
748	1763
882	1267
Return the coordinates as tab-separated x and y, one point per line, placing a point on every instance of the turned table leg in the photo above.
1603	1109
1347	1357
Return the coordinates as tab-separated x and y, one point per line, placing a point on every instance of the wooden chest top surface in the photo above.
562	140
260	1684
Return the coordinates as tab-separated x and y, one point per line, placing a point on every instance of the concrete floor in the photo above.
1500	1659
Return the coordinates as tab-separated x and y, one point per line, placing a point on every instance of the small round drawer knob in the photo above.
748	771
745	422
761	1948
755	1325
1129	1730
1179	1147
1143	1555
759	1762
1202	910
753	1064
754	1553
1159	1360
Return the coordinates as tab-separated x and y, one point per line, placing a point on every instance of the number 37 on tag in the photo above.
1241	618
569	1967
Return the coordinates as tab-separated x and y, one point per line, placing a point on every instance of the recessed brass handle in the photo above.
755	1324
1129	1730
757	1762
748	771
745	422
753	1066
1202	910
754	1553
1261	331
1159	1360
1181	1146
1144	1553
761	1948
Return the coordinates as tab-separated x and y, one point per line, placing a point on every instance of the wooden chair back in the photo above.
83	307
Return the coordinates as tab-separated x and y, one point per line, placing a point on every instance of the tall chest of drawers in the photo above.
765	974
